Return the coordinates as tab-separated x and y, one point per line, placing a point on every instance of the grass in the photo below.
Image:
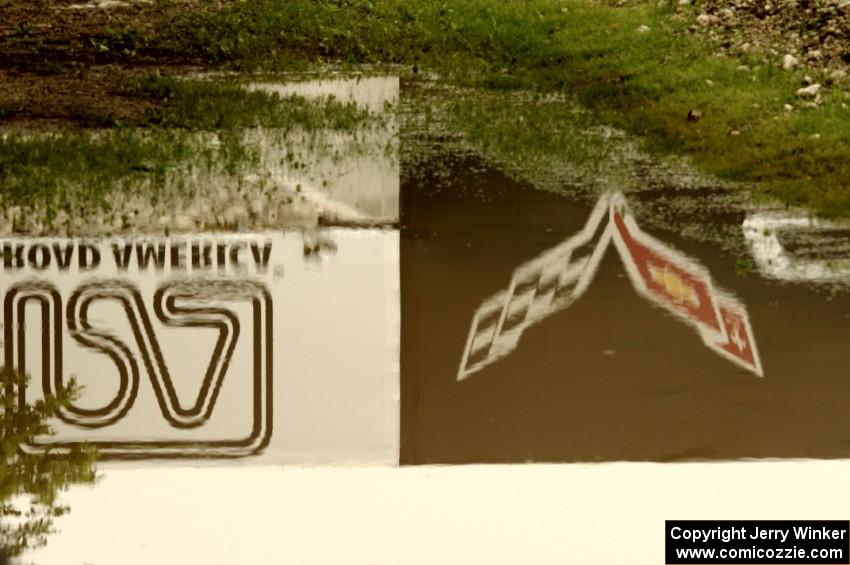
498	51
75	171
210	105
644	83
30	484
542	139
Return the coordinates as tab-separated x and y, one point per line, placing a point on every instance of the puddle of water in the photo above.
535	328
572	155
362	184
228	343
798	247
376	93
532	327
103	4
292	179
558	277
266	348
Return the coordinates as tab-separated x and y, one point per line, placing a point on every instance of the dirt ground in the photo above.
67	62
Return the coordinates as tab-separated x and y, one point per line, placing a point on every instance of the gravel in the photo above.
790	34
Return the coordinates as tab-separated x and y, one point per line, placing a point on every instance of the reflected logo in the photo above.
109	322
555	279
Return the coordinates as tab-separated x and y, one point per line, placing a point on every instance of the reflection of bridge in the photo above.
559	276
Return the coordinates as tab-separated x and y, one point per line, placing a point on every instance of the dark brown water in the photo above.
535	328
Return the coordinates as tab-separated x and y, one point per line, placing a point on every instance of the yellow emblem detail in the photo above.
674	286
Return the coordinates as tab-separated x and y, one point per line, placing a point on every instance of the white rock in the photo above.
838	74
643	29
789	62
704	19
809	91
788	108
726	13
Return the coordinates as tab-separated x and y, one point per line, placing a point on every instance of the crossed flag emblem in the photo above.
559	276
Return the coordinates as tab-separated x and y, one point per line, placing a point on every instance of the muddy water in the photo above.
230	347
207	362
352	178
499	324
285	178
246	322
535	328
232	341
